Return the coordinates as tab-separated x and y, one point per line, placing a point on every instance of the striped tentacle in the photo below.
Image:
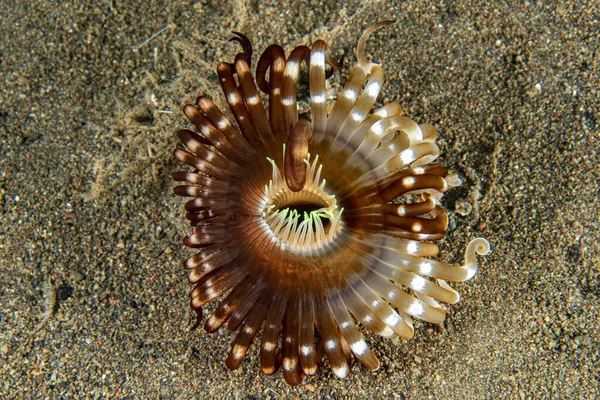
400	326
292	369
273	59
350	333
317	86
238	107
253	103
268	359
331	337
224	311
364	315
306	336
291	74
256	315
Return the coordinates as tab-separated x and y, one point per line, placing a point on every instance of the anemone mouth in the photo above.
305	220
303	259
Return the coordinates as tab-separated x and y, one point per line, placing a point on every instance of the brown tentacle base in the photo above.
307	228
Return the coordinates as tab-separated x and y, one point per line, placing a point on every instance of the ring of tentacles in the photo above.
310	228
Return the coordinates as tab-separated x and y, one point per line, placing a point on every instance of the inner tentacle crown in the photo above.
294	229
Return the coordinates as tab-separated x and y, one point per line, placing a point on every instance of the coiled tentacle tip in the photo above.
478	246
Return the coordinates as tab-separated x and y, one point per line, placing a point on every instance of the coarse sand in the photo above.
93	298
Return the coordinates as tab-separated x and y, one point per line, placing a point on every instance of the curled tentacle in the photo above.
335	65
362	43
246	46
273	59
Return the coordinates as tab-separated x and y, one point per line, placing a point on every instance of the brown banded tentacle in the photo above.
205	238
237	106
364	315
410	210
389	252
382	153
335	65
254	294
414	282
435	225
413	183
350	333
295	153
346	349
196	274
253	101
353	139
200	270
422	207
195	191
228	306
405	246
210	253
201	139
396	232
331	339
317	87
209	132
204	159
199	204
220	121
271	331
208	162
429	132
306	335
246	335
381	309
197	218
433	302
216	283
201	239
273	59
364	195
418	155
192	141
404	301
209	231
201	216
263	65
201	180
289	87
292	370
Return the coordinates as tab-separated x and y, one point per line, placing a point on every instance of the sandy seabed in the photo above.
93	298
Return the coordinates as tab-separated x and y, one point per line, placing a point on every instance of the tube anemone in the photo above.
295	221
